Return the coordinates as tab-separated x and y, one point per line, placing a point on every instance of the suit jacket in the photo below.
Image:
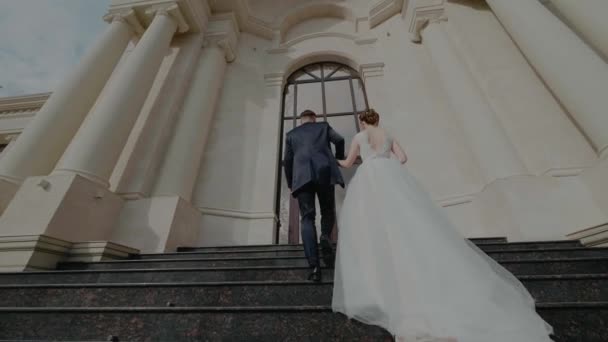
308	156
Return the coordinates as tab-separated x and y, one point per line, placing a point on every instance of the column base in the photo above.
592	237
66	207
158	224
42	252
223	227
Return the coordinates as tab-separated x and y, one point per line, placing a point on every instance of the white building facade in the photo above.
169	131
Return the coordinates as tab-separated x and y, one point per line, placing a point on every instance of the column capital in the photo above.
10	137
172	11
421	13
223	32
128	17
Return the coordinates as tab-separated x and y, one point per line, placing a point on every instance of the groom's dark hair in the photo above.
307	112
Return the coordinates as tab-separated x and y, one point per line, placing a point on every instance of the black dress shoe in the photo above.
315	275
327	252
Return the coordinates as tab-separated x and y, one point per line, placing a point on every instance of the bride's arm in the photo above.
398	151
352	155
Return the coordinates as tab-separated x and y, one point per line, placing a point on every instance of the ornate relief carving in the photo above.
128	17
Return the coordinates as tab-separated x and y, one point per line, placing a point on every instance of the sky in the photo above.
42	40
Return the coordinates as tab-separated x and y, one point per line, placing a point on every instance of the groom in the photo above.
312	170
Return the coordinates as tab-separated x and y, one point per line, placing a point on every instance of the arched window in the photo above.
337	94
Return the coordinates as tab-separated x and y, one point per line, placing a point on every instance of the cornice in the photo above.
190	15
24	103
223	32
127	16
420	13
382	10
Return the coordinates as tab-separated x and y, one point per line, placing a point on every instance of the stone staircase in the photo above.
259	293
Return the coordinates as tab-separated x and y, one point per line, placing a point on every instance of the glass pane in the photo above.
345	126
338	97
359	95
329	68
314	69
288	106
300	76
309	97
344	71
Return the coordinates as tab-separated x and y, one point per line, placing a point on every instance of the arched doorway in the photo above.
337	94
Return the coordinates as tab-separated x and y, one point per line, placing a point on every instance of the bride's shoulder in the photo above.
361	135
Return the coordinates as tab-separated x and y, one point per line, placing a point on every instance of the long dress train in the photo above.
402	265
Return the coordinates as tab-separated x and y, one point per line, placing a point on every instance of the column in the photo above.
96	147
589	19
183	157
49	133
572	70
495	154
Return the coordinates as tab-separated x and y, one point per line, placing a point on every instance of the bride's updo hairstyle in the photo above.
370	117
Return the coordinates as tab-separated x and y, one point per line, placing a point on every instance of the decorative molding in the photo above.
223	32
564	172
127	16
171	10
247	22
23	103
369	70
237	213
274	79
421	13
596	236
317	35
366	41
383	10
99	251
190	15
308	11
457	200
9	138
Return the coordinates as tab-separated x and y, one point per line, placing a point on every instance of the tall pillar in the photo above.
96	147
589	19
495	154
571	69
49	133
184	154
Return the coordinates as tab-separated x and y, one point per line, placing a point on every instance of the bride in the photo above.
402	265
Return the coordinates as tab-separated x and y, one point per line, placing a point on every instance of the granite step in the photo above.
477	241
263	273
298	250
572	322
555	253
264	324
558	288
298	261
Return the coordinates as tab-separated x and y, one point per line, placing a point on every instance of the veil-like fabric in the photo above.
402	265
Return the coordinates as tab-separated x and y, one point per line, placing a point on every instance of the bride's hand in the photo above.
342	163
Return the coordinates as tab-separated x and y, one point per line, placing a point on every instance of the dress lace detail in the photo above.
368	152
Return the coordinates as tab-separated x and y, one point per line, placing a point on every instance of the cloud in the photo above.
42	40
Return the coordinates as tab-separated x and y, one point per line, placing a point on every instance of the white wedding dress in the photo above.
402	265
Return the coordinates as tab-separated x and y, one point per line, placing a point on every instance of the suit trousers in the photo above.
306	202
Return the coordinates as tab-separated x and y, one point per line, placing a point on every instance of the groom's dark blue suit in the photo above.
312	170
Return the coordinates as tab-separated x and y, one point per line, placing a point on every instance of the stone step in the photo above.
572	322
297	250
586	288
298	261
478	241
262	273
264	324
555	253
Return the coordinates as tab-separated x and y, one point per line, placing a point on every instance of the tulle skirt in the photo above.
402	265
